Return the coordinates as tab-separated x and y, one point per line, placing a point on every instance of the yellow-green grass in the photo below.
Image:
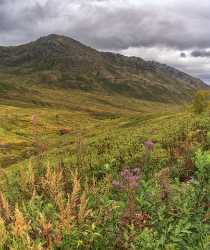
102	136
91	114
94	115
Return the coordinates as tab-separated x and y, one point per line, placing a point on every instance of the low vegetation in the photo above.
95	154
200	101
118	180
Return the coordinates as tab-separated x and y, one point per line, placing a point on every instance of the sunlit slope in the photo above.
61	114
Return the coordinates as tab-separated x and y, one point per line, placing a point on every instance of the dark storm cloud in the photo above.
21	21
131	26
107	25
2	2
183	55
200	53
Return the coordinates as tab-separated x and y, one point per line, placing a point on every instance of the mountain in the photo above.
63	62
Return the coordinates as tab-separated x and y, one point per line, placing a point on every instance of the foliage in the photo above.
200	101
138	179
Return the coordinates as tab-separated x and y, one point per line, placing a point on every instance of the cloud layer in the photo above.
131	27
200	53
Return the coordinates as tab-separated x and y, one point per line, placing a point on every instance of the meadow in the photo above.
92	171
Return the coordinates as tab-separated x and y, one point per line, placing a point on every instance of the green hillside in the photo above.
61	61
100	151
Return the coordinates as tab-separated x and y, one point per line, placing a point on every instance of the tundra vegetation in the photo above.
95	154
116	174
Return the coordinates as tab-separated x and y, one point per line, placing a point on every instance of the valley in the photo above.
100	151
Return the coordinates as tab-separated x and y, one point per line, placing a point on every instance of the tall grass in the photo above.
148	195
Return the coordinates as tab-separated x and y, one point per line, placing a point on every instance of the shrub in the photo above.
200	101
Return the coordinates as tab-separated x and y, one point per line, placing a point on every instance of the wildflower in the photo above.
133	181
149	145
116	184
130	177
125	173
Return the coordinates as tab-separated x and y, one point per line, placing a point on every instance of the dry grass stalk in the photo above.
4	208
23	180
52	182
164	181
27	180
65	216
46	230
75	209
20	228
83	211
3	234
74	198
31	174
68	211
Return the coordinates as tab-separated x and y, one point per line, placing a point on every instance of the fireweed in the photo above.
129	183
131	217
148	148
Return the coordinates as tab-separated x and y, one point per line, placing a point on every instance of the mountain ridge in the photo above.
64	62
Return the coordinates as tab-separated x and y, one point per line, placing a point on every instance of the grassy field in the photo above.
74	112
88	171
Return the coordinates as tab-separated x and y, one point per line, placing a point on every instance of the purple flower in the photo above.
133	181
125	173
149	145
133	178
116	185
130	177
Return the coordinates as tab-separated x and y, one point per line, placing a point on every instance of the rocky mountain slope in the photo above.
61	61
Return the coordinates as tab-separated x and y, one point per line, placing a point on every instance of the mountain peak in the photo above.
54	37
63	61
66	46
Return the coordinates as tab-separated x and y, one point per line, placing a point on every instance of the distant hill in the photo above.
63	62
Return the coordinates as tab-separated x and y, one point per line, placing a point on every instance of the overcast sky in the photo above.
175	32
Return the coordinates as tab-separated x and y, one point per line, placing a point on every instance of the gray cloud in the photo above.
183	55
107	25
206	78
200	53
146	26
